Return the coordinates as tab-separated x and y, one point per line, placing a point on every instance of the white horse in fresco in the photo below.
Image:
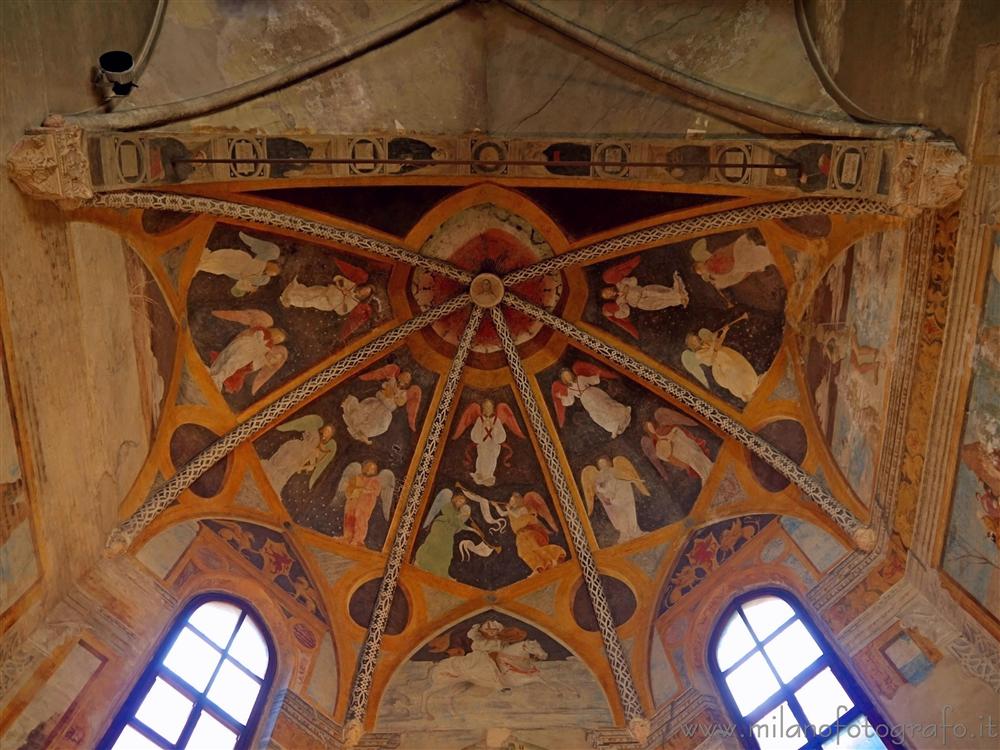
511	667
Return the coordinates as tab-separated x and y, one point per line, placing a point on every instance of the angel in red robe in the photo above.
624	293
580	383
350	296
255	349
371	416
490	422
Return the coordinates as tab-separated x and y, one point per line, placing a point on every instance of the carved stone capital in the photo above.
926	175
52	165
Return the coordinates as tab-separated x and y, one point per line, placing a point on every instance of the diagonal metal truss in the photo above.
728	219
193	204
124	534
581	546
390	578
777	460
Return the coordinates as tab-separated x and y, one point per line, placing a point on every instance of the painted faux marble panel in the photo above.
18	555
491	521
972	547
712	309
490	670
254	296
338	463
848	339
640	463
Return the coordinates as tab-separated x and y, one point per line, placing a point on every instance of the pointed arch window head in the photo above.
784	686
206	686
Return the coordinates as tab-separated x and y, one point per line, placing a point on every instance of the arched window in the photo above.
784	686
205	688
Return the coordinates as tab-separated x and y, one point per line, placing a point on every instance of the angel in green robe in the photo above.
312	451
448	515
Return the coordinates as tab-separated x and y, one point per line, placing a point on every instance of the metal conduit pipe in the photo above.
185	109
712	99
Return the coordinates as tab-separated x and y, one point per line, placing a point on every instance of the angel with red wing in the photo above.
526	513
255	349
350	296
624	293
370	417
580	383
490	423
670	441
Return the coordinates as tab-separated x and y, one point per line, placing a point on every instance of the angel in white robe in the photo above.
255	349
730	264
370	417
360	486
250	272
730	369
312	451
350	296
614	483
624	293
580	383
490	422
670	441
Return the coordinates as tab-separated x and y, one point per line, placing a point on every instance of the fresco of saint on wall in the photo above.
254	295
338	462
640	462
712	309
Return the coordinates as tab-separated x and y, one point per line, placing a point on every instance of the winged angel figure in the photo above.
312	451
250	272
490	422
580	383
360	486
370	417
668	440
350	296
727	266
255	349
614	482
730	369
624	293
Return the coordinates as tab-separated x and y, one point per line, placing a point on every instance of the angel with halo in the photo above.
490	422
526	513
250	272
624	293
312	451
580	383
614	482
350	296
370	417
255	349
730	369
360	486
669	440
448	515
730	264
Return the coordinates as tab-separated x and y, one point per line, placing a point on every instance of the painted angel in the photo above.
360	487
730	264
490	422
730	369
249	271
580	383
614	482
670	441
624	293
371	417
526	513
311	452
449	514
255	349
350	297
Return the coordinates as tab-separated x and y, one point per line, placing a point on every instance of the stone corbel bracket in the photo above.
52	164
926	175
